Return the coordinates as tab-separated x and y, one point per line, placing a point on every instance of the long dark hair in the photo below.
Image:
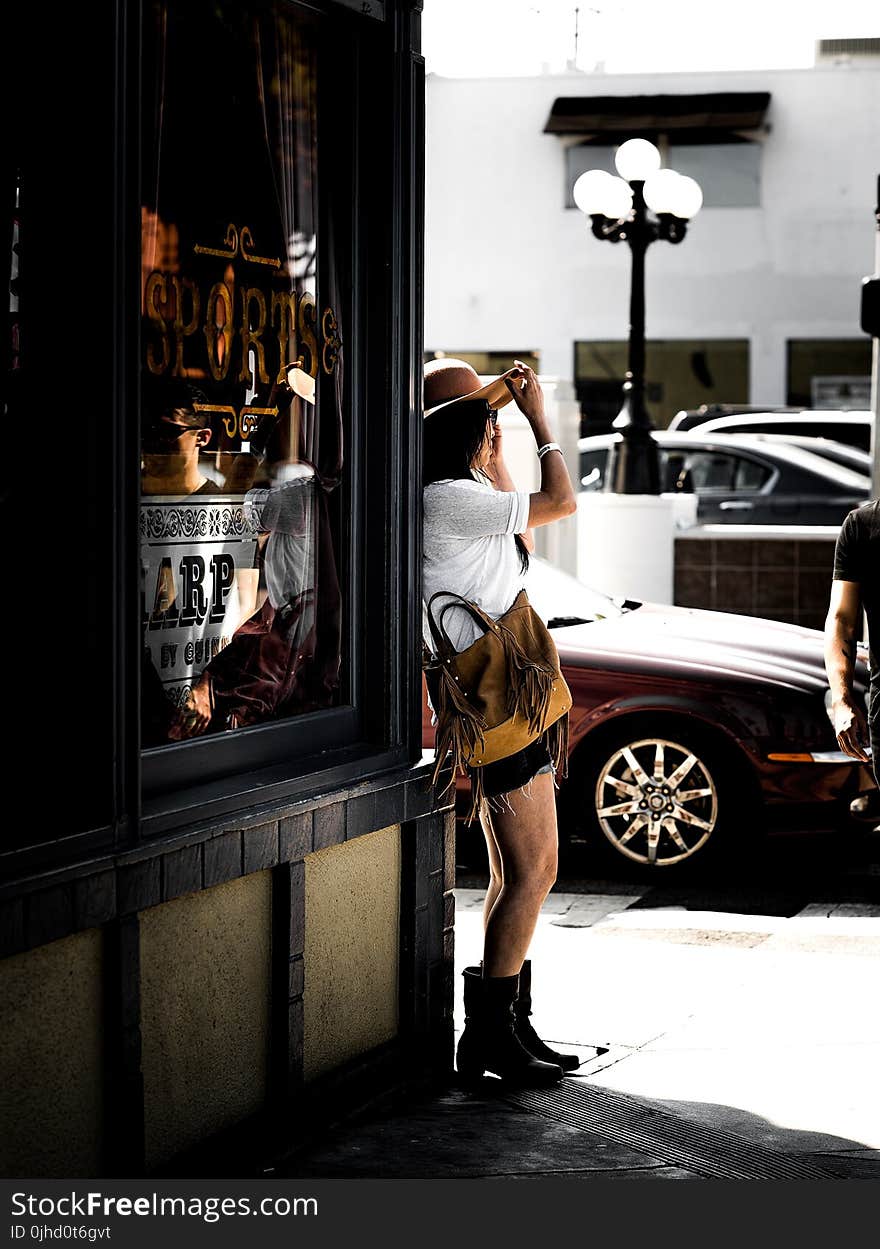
452	438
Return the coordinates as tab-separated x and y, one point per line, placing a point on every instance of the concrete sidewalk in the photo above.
714	1044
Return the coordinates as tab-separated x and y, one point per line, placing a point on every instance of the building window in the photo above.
728	172
829	373
489	363
583	156
680	374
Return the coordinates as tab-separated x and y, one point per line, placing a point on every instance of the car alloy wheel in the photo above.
656	801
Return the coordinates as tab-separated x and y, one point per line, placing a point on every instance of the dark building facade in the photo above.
225	909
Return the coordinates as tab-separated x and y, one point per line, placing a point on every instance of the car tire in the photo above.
660	796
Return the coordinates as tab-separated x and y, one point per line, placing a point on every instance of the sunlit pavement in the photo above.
726	1031
763	1025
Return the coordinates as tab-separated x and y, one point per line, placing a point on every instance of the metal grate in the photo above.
663	1135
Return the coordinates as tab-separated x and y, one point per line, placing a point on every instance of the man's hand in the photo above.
851	729
195	715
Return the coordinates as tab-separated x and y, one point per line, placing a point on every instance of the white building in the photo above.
760	302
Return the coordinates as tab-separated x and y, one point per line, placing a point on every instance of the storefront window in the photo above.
829	372
242	473
489	363
679	374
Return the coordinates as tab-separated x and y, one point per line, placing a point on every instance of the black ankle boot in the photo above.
527	1035
489	1041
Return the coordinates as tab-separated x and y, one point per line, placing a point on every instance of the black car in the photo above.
742	480
853	428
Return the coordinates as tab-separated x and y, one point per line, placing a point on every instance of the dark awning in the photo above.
657	114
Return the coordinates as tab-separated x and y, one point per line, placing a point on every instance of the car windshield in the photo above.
560	599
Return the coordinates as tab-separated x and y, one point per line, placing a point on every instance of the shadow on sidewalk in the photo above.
575	1129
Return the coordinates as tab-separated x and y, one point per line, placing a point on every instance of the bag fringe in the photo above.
557	744
460	730
478	795
530	692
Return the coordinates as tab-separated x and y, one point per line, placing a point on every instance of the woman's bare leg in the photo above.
496	871
527	841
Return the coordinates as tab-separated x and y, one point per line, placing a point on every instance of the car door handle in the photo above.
735	505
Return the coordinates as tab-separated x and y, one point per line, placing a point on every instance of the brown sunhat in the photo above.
447	381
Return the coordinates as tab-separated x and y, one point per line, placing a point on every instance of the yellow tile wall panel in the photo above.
351	950
51	1059
205	980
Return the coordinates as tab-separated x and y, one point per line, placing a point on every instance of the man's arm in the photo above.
841	626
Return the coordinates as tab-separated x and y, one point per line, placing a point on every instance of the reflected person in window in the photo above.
175	434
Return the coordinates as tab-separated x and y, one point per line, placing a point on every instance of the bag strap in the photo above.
438	632
442	644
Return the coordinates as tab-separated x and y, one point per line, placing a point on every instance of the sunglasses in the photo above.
166	433
462	404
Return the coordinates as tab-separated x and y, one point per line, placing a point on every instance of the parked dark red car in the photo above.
690	729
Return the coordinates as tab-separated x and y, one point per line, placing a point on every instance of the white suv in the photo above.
853	428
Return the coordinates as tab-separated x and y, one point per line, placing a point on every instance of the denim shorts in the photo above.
517	770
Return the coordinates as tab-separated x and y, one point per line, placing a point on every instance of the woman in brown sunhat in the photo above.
477	539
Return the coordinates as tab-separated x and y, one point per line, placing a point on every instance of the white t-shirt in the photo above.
469	549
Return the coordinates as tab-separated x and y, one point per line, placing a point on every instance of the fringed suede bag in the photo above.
498	696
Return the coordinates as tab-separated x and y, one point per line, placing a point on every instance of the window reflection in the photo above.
241	398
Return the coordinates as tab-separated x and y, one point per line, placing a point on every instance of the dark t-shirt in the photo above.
857	558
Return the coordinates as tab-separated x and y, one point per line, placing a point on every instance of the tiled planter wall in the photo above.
784	576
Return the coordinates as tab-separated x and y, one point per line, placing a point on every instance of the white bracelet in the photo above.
548	446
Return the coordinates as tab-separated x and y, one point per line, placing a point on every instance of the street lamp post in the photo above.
618	209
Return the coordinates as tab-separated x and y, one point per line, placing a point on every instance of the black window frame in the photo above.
287	757
380	731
